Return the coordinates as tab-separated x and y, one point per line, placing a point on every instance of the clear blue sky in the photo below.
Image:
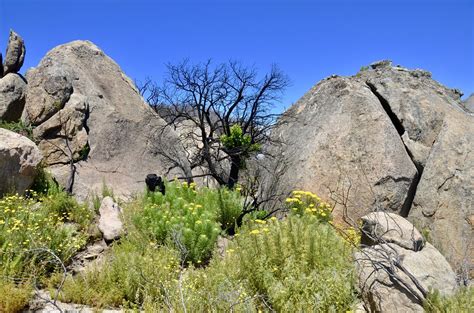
309	40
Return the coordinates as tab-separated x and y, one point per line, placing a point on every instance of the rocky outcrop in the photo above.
12	97
387	139
91	123
15	54
19	159
338	139
395	274
110	221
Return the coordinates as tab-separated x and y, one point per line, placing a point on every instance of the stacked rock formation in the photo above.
12	85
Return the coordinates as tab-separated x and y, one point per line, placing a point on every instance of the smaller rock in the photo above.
12	97
47	94
15	54
110	223
19	159
381	64
383	227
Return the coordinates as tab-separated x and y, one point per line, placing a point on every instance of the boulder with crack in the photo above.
387	139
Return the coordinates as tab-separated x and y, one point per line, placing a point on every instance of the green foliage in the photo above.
105	192
44	182
363	68
31	229
238	141
13	297
295	265
189	218
18	127
461	301
136	271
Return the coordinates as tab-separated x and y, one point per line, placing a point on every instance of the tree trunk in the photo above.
234	172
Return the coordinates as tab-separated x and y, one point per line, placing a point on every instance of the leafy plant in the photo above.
189	218
18	127
461	301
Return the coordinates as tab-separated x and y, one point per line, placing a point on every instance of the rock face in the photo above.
19	158
387	139
393	277
12	97
338	138
110	222
15	54
469	103
87	111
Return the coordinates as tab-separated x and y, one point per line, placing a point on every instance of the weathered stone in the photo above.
338	140
434	129
382	227
121	131
397	292
444	198
19	159
64	137
469	103
12	97
15	54
110	221
49	88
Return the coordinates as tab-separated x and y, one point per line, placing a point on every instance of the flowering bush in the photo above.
33	228
307	203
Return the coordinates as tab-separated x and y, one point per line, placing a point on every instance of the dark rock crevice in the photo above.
397	123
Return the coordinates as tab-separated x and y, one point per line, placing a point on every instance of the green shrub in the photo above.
33	229
135	271
461	301
14	297
189	218
298	264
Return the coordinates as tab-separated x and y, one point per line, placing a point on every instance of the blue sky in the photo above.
309	40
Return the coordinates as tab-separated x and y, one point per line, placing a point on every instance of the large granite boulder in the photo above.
91	123
15	54
12	97
19	160
338	139
387	139
395	274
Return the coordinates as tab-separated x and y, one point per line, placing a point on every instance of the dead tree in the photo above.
223	114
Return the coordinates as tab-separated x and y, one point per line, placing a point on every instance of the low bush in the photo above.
296	264
34	229
14	297
189	219
461	301
134	272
